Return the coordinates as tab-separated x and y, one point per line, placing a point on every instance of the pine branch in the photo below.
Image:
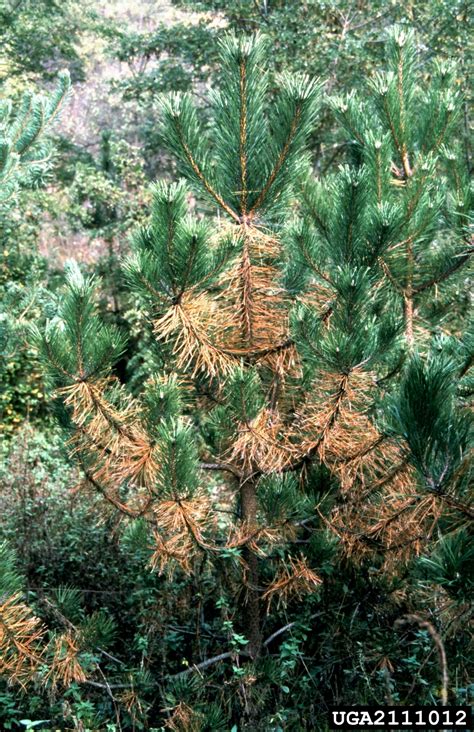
401	96
287	627
226	467
246	305
123	508
233	654
200	175
462	259
243	138
198	667
279	162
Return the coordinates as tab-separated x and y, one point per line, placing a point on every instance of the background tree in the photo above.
40	38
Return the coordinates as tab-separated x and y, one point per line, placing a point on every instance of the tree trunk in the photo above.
251	604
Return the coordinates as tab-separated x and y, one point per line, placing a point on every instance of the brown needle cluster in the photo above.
293	581
65	667
21	640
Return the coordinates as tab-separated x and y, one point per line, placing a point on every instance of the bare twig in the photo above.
286	627
208	662
221	466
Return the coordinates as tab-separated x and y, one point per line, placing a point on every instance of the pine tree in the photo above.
24	150
403	133
26	156
302	397
21	633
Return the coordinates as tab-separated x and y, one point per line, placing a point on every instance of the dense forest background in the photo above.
129	646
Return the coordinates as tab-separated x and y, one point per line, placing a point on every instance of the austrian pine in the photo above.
300	399
404	134
25	157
